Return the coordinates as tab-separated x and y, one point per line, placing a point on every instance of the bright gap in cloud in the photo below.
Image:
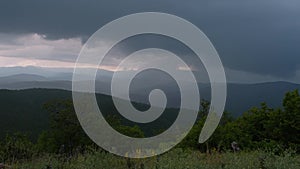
24	62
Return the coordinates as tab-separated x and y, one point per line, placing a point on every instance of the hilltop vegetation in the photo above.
261	129
22	110
31	117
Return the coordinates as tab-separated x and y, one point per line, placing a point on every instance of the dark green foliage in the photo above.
259	128
289	126
16	147
66	135
22	110
268	128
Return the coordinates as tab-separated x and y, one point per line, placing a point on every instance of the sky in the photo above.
257	40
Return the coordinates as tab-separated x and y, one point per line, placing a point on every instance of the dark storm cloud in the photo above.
258	36
65	18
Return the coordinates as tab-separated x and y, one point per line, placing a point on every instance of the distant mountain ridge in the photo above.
22	110
22	78
240	97
22	97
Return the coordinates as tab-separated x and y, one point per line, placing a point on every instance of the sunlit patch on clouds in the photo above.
35	46
23	62
36	50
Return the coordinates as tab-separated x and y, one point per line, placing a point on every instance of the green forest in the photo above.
265	137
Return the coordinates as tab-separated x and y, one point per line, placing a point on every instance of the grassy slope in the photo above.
175	159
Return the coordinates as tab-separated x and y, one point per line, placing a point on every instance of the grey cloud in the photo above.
255	36
64	18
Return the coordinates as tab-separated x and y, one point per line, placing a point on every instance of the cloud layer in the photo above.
253	36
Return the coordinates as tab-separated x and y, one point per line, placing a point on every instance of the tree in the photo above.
215	141
65	133
15	147
290	119
269	128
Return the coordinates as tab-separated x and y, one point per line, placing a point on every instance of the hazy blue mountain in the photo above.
52	74
240	97
21	78
21	110
65	85
46	72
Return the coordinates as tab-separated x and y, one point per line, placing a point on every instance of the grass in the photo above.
175	159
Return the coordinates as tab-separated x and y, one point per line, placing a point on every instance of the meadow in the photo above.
174	159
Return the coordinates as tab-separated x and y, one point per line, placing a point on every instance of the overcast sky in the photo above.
257	40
